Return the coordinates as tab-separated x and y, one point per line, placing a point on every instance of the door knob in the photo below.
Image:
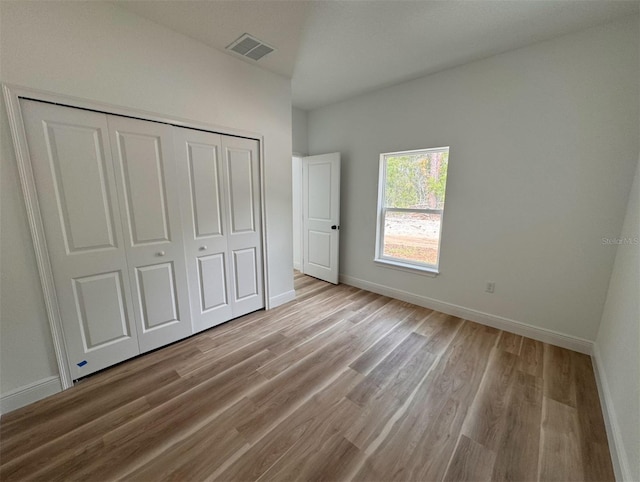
335	227
160	253
203	248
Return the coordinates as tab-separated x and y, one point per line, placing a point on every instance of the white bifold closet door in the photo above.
153	231
147	184
220	199
107	190
75	180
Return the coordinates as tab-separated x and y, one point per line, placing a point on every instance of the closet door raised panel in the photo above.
73	170
242	181
204	218
148	190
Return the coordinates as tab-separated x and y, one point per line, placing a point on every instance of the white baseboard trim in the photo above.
616	447
297	266
281	299
542	334
30	393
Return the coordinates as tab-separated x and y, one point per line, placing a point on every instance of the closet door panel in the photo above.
245	270
100	303
204	186
144	187
77	165
212	282
240	169
159	303
204	215
148	189
73	171
242	182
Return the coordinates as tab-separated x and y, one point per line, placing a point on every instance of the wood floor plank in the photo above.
593	435
471	461
291	387
207	367
560	450
255	354
327	457
387	400
487	418
91	389
313	290
378	323
339	384
368	300
558	375
281	317
152	432
320	452
107	398
421	442
190	458
531	359
342	332
510	343
304	377
289	358
386	371
440	329
376	303
517	452
325	409
307	328
370	358
65	447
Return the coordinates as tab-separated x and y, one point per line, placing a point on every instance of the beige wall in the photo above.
100	52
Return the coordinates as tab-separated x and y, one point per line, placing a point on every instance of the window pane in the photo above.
412	236
416	180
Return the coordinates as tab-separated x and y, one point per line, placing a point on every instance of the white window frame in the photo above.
387	261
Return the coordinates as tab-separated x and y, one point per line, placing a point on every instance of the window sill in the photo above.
410	268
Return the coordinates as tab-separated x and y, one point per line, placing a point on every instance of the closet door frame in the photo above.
12	95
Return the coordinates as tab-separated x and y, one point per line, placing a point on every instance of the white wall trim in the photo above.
619	455
542	334
282	298
12	101
298	264
23	396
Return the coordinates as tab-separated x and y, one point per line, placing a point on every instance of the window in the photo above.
411	195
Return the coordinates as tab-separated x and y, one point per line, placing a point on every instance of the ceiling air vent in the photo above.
251	47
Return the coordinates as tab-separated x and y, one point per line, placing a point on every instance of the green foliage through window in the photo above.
416	181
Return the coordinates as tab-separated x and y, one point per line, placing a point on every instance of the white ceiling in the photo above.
336	49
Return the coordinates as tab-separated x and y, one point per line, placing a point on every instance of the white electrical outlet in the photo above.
490	287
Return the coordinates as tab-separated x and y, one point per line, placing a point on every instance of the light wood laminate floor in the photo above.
341	384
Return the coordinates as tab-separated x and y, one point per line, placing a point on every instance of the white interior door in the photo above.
205	223
241	173
73	170
147	184
321	215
